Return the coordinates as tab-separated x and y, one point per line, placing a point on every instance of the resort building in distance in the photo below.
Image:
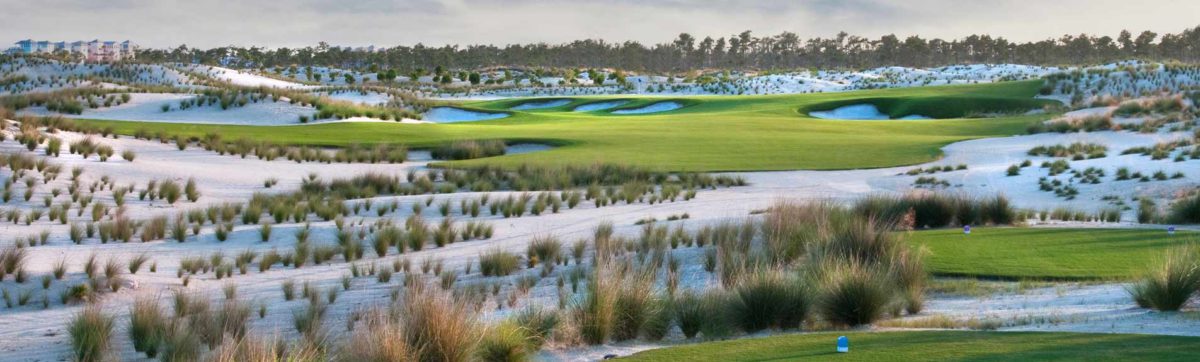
92	51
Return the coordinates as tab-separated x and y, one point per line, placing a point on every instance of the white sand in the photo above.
859	112
651	108
148	107
243	78
541	104
453	115
599	106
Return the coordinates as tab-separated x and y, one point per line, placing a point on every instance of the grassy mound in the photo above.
1044	253
938	346
939	107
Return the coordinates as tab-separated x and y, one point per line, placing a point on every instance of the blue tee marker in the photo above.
843	344
1171	230
967	229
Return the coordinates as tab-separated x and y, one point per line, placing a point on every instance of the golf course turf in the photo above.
709	133
938	346
1046	253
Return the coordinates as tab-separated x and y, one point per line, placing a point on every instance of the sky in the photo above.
297	23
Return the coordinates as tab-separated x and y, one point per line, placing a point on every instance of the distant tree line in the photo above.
786	50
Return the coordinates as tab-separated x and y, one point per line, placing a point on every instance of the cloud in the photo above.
208	23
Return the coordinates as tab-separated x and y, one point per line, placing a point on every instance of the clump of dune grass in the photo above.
136	263
438	327
1170	282
498	263
853	294
1185	210
769	299
545	249
251	349
465	150
91	334
506	341
938	210
380	339
147	325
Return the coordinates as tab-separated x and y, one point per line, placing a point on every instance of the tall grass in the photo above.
770	299
1170	282
498	262
91	333
382	339
438	327
854	294
938	210
147	325
506	341
465	150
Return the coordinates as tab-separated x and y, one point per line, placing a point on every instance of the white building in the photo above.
92	51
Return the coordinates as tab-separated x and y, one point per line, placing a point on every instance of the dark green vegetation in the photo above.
939	346
708	134
745	50
1045	253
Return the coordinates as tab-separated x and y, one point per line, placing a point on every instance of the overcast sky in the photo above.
275	23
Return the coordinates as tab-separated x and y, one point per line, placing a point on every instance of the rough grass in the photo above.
1046	253
725	133
91	334
938	346
1170	282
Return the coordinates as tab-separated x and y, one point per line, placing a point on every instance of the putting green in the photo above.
938	346
710	133
1046	253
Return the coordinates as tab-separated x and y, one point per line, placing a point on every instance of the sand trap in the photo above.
454	115
652	108
860	112
598	106
541	104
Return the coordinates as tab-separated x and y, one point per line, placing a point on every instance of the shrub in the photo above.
596	312
1170	282
539	323
465	150
767	299
147	324
498	262
91	331
545	249
689	313
135	264
438	327
506	341
1186	210
381	339
853	294
169	190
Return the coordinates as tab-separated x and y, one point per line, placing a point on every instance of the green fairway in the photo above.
1046	253
710	133
938	346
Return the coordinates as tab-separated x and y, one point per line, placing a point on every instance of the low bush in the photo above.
1170	282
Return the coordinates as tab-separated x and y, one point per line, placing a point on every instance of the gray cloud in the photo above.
207	23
